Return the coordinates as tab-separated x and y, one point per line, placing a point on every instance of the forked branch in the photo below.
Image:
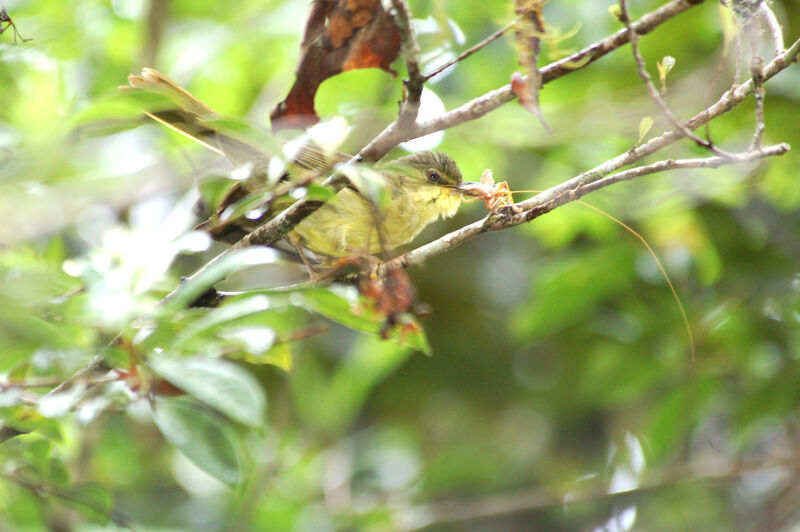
402	130
562	194
599	177
641	68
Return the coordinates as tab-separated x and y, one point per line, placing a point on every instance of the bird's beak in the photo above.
468	188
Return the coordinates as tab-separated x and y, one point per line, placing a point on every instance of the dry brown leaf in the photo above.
340	35
529	32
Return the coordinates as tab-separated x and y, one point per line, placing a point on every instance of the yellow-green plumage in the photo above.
422	187
350	223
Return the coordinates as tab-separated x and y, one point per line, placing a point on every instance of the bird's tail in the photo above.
189	116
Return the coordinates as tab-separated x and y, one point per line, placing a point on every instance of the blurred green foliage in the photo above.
560	375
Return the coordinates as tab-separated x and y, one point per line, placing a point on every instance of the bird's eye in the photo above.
433	176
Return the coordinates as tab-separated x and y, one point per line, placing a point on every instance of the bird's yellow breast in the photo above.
349	223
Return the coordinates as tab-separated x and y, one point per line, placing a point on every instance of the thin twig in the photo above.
466	53
653	91
774	26
527	500
684	164
42	489
47	383
9	23
476	108
274	230
156	17
402	19
757	73
95	366
727	101
410	105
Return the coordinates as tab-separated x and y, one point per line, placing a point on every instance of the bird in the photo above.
420	188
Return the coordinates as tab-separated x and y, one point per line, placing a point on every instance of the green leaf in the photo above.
344	306
218	383
116	357
338	304
318	192
212	191
228	312
125	106
644	126
29	419
19	324
220	268
675	413
279	355
203	438
371	184
13	355
664	67
55	472
242	207
92	501
370	361
253	339
37	449
410	333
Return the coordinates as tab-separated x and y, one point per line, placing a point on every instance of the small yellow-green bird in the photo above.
421	188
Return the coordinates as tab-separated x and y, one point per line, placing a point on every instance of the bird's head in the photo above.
431	168
433	181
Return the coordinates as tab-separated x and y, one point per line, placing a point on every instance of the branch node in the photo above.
651	88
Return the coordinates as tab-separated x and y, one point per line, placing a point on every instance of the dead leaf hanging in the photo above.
340	35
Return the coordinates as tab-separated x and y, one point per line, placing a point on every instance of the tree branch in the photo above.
562	194
95	366
402	130
466	53
420	517
773	25
641	68
565	192
684	164
409	108
476	108
41	490
276	228
756	71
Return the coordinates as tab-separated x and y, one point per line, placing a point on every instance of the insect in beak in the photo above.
495	195
469	188
466	188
